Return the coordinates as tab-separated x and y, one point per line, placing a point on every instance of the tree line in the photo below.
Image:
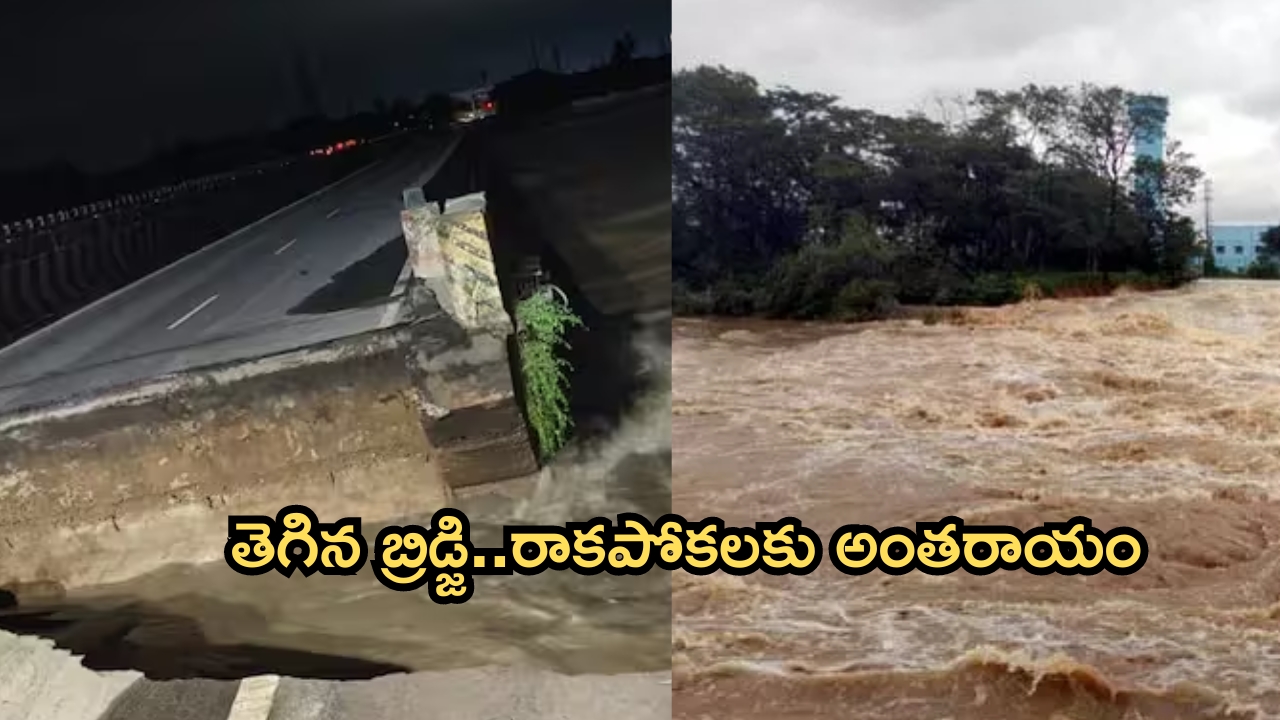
1266	266
792	204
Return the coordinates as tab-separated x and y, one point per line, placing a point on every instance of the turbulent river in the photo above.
1160	412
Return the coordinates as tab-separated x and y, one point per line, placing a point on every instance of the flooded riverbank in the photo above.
1156	411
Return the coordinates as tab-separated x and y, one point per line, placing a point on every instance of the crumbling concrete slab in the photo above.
477	420
104	488
107	487
39	682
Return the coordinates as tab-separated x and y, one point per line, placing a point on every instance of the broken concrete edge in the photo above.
473	413
474	202
479	414
380	426
450	254
199	377
470	268
462	381
104	495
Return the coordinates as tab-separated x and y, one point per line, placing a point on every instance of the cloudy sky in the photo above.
1215	60
101	83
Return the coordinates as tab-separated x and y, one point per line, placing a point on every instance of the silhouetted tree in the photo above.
401	109
624	49
308	89
1270	242
438	109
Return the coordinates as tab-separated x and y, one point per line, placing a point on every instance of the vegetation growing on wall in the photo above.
542	319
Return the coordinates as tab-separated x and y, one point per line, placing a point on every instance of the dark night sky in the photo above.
104	83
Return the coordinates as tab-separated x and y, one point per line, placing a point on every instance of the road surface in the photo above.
320	269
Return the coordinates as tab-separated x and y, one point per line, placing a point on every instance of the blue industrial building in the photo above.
1235	247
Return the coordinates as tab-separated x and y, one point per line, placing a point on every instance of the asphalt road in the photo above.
326	267
302	275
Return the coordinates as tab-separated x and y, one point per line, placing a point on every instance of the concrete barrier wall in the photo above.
478	414
471	276
450	253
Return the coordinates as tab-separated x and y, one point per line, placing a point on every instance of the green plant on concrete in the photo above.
542	319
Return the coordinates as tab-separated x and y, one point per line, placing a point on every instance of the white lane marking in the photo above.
286	246
194	310
332	212
403	280
392	312
430	172
254	698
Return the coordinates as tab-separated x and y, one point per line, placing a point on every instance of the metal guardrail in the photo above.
165	193
56	263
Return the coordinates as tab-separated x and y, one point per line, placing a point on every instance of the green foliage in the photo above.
542	320
1264	268
865	299
1210	266
991	290
1176	249
1270	242
733	296
438	109
847	279
690	302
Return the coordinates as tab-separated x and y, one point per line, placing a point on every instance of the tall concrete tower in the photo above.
1148	114
1208	210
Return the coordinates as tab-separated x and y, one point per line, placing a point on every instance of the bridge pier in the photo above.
475	423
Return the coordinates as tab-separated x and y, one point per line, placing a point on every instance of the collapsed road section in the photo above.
108	486
121	496
392	422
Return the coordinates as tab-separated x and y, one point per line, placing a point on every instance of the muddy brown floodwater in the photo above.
1156	411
